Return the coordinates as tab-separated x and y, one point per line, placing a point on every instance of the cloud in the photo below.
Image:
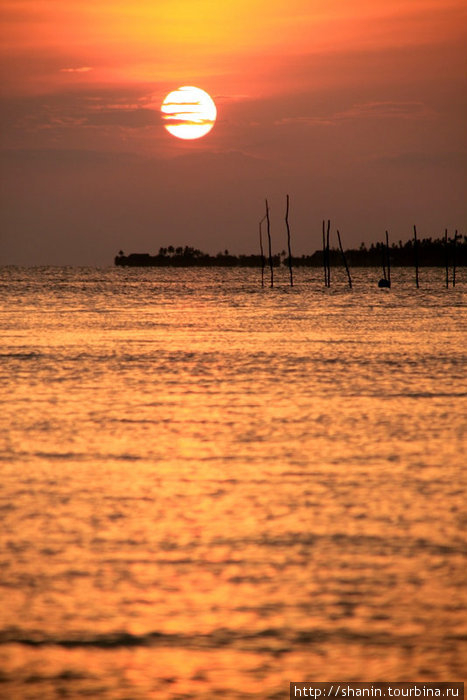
81	69
127	106
52	158
386	110
132	118
453	160
366	110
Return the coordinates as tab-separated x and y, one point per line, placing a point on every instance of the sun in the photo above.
188	112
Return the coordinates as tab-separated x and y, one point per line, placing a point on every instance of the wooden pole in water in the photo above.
263	260
325	267
454	260
388	262
446	259
288	241
384	256
415	247
385	282
328	256
344	258
269	243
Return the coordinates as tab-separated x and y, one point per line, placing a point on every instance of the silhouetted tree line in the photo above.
431	253
190	257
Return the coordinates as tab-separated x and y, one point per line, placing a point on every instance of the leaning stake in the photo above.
446	258
325	267
454	259
288	240
415	248
328	255
344	258
385	282
387	258
263	261
383	261
269	242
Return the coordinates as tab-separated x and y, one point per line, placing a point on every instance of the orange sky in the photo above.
357	109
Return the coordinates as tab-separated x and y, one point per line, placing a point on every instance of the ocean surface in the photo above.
210	489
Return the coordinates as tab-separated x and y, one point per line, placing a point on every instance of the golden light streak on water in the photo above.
212	488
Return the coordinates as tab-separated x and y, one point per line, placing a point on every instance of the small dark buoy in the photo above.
384	283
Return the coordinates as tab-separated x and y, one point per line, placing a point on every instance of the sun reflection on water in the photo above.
216	493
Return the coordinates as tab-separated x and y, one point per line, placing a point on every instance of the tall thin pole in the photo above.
325	267
383	260
263	260
269	243
288	240
446	259
388	262
345	259
454	259
328	256
415	246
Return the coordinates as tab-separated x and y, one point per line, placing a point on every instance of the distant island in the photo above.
190	257
430	253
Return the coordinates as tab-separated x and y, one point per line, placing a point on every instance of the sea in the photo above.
211	488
